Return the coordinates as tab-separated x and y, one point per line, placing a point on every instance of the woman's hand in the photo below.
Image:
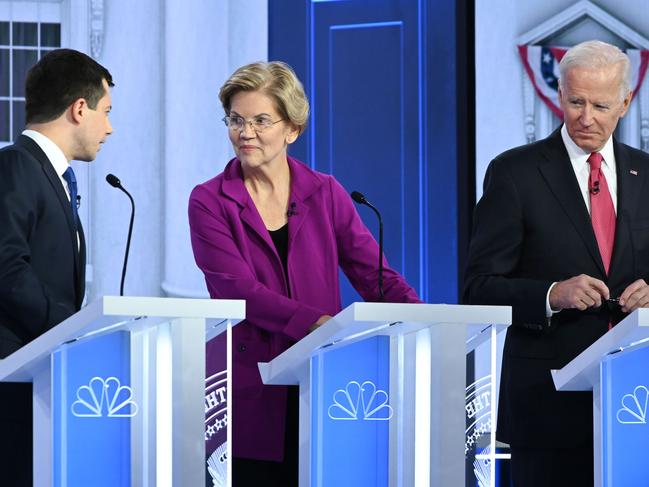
321	321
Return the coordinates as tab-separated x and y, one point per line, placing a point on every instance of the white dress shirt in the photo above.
580	165
53	153
579	160
57	159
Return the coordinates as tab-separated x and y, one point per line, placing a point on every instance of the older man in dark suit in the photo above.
42	248
561	234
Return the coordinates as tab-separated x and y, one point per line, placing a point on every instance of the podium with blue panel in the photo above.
616	369
119	391
384	398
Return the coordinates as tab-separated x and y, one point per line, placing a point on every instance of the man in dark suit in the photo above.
42	248
561	231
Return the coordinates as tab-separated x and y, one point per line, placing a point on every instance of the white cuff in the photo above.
548	310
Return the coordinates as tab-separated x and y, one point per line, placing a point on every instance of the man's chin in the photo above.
86	157
587	144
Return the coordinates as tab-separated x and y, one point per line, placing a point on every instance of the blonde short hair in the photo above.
277	80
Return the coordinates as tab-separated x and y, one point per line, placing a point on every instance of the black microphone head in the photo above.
113	180
358	197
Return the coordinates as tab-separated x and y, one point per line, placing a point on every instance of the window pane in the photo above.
50	35
4	121
4	72
23	60
43	52
19	118
25	33
4	33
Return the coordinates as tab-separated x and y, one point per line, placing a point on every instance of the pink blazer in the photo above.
238	258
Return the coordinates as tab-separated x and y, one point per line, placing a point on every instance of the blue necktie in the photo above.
70	178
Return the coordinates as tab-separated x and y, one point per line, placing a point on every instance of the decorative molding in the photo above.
575	13
643	101
96	27
529	103
540	119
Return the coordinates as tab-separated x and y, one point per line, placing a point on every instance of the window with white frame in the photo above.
28	30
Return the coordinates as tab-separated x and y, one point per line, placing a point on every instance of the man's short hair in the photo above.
597	55
59	79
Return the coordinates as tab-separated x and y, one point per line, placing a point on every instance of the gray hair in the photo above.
594	55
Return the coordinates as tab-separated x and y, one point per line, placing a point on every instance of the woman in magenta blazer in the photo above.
270	230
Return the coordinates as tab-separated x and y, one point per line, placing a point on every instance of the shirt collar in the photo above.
577	154
52	151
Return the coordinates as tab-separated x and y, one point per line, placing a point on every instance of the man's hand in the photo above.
580	292
635	296
321	321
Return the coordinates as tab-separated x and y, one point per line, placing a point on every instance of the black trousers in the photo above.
552	467
16	434
256	473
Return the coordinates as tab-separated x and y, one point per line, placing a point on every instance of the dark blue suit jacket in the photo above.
42	269
532	228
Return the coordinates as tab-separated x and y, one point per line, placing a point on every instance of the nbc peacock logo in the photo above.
360	402
634	407
104	398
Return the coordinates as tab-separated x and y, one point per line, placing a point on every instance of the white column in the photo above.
131	51
204	42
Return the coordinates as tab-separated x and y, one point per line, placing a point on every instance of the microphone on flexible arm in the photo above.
116	183
361	200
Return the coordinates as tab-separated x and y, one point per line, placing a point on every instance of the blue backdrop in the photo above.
381	77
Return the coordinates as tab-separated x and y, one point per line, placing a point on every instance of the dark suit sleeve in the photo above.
492	275
26	304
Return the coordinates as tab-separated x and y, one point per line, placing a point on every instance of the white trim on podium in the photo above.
427	369
166	375
363	320
105	314
583	373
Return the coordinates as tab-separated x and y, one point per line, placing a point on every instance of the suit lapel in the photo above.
303	184
234	188
81	269
557	170
629	184
251	217
299	214
36	152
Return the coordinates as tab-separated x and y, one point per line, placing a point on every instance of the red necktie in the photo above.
602	213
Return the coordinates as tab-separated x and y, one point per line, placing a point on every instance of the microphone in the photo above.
594	189
116	183
291	210
361	200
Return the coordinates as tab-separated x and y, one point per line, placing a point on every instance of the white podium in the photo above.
119	391
383	393
616	369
